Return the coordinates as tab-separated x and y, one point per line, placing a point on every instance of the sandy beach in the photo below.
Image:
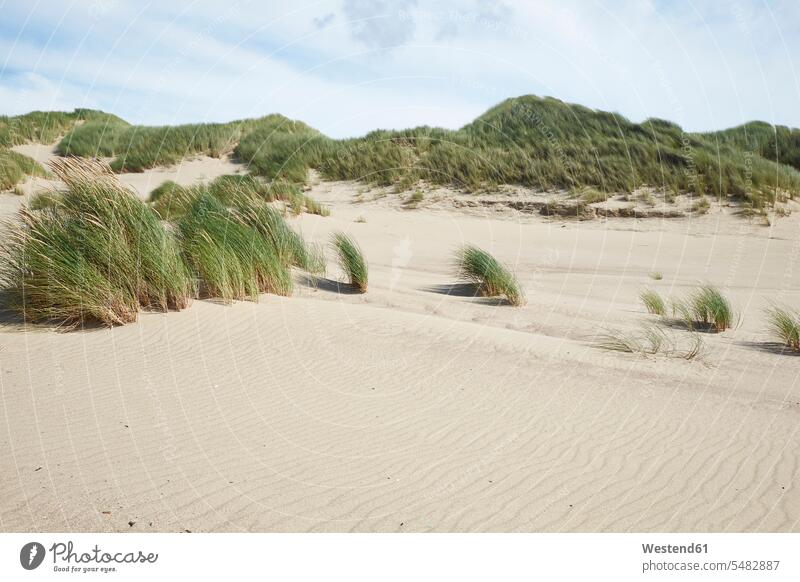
418	407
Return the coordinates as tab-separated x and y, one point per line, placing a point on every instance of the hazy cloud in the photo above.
380	23
323	21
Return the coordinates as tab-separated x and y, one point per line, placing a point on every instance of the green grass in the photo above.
589	195
705	308
700	206
784	325
288	245
650	340
99	255
485	272
45	199
540	143
136	148
351	260
656	275
231	259
44	126
14	167
773	142
653	302
413	200
171	200
294	198
37	127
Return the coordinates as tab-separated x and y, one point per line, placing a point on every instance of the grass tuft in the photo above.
650	340
414	200
231	259
351	260
706	308
653	302
99	255
288	245
14	167
785	326
488	274
45	199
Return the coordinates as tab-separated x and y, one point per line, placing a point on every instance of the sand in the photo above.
416	407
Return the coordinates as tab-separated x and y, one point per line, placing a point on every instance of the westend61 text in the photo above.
671	549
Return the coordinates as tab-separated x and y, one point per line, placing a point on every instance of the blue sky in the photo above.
350	66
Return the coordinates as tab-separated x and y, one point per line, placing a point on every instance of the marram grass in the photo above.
171	200
288	245
231	259
653	302
351	260
534	142
650	340
99	255
490	277
784	325
14	167
705	308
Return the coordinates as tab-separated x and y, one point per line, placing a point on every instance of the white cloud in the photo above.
352	65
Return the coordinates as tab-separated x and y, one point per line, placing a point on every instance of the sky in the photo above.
347	67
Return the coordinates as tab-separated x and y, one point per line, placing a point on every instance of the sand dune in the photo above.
188	172
417	407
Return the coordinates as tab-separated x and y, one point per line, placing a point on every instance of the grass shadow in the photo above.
466	290
455	290
13	321
776	348
696	326
329	285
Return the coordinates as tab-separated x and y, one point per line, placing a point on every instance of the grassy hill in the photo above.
35	127
541	143
773	142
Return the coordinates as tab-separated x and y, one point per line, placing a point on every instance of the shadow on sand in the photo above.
329	285
465	290
771	348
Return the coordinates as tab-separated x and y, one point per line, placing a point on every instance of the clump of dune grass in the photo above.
700	206
656	275
784	325
45	199
413	200
647	197
485	272
288	245
710	307
295	200
171	200
99	255
653	302
591	195
14	167
351	260
706	308
650	340
231	259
